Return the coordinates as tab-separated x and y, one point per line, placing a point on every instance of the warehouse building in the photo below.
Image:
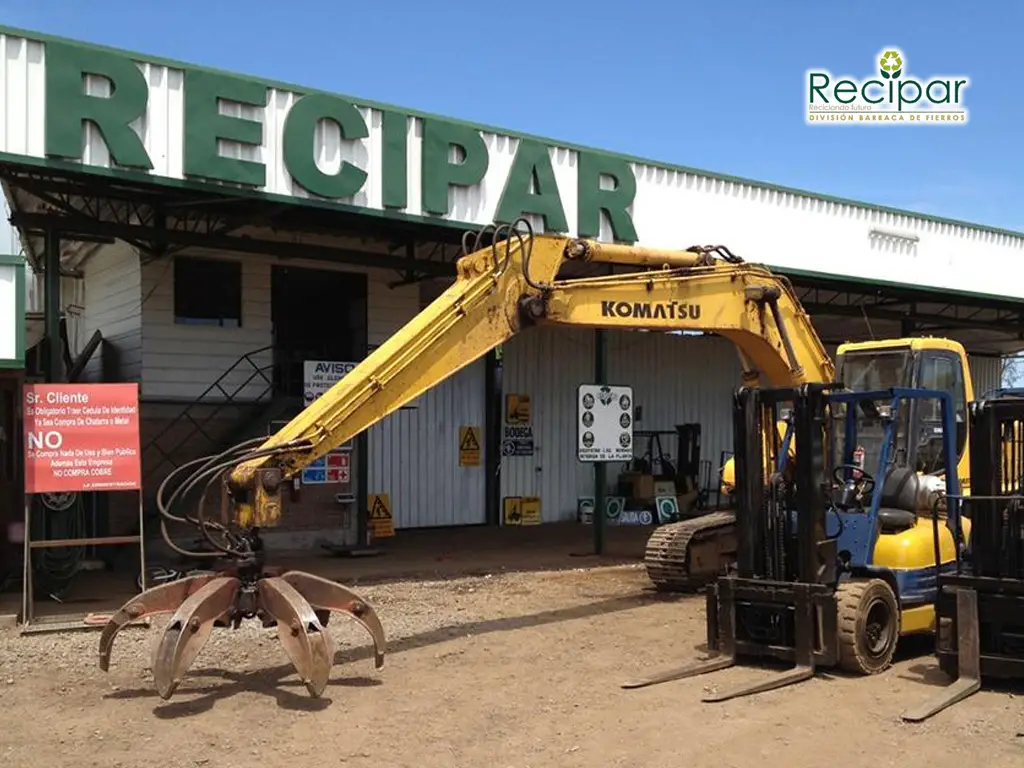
233	243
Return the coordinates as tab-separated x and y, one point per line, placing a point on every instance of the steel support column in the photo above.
492	440
51	265
600	473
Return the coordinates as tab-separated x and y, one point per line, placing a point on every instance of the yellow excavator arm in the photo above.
514	284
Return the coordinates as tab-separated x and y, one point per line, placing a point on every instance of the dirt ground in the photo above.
514	669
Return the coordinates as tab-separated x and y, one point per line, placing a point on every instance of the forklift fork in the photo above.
721	624
968	652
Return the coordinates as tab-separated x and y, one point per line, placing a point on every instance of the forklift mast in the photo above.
766	505
979	606
997	469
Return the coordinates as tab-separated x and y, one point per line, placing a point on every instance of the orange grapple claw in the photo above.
298	603
188	630
308	644
326	595
165	598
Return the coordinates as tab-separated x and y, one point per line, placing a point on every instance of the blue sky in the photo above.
698	84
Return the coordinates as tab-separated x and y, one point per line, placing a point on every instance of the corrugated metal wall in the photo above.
676	379
10	242
548	364
680	379
986	372
414	455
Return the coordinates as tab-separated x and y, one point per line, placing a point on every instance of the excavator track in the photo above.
688	554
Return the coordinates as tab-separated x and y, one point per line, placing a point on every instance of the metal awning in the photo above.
90	209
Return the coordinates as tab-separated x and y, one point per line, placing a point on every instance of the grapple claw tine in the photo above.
188	630
164	598
326	595
304	639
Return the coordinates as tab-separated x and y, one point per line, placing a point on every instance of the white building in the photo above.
210	247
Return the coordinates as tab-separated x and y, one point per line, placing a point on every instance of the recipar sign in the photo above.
81	437
269	139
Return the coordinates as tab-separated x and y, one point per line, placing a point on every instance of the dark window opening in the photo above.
317	315
941	371
207	292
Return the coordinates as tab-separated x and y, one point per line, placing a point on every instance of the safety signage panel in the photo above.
318	376
604	423
517	408
517	440
81	437
381	522
668	509
469	447
521	510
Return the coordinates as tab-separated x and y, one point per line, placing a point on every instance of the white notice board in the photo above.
604	423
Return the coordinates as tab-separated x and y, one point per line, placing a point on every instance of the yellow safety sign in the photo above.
530	510
381	523
522	510
469	446
513	510
517	409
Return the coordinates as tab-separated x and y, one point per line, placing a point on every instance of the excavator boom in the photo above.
499	293
501	289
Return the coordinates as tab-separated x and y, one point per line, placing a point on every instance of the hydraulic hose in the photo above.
211	468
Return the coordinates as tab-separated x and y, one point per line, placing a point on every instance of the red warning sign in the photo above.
81	437
338	467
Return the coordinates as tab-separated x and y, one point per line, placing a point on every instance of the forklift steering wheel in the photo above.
866	481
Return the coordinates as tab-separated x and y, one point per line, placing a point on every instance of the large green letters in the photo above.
299	145
531	170
591	199
438	171
395	159
68	106
205	125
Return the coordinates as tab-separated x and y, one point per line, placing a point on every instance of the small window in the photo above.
207	292
941	371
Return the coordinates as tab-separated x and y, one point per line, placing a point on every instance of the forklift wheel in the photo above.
869	626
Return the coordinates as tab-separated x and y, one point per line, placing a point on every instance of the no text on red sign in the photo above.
81	437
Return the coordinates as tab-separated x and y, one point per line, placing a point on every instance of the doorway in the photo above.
320	314
317	314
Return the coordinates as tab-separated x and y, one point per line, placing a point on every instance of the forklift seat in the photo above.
897	510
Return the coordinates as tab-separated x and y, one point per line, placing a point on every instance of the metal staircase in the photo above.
222	397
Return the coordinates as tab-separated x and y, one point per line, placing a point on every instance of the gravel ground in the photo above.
511	671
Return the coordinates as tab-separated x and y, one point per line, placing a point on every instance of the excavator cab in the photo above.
910	363
915	363
691	553
829	544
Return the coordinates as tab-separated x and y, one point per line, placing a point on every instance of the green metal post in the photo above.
51	295
600	474
492	440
